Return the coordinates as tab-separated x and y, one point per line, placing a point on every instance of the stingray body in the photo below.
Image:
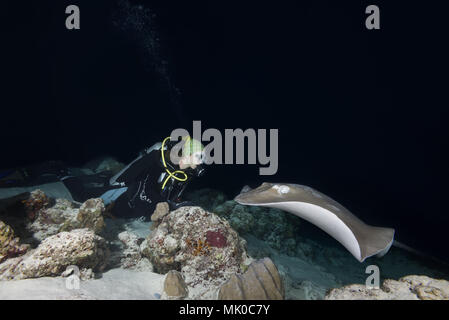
360	239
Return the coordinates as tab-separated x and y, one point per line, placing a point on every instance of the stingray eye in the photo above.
283	189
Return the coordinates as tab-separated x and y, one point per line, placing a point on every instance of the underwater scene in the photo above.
168	150
210	247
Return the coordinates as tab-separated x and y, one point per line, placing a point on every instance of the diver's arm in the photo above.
178	188
176	195
173	193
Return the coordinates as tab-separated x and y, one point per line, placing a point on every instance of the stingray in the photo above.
359	238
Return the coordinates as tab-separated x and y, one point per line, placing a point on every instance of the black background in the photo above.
362	115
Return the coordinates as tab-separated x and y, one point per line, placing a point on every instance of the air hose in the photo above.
171	174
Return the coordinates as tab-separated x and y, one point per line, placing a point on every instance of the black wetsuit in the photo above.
136	189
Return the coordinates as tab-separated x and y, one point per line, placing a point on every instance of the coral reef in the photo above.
261	281
10	245
207	199
50	221
216	239
35	203
80	247
64	215
411	287
198	247
39	216
274	226
131	257
197	251
180	242
90	215
125	237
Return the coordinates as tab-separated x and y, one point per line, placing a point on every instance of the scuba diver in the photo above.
134	191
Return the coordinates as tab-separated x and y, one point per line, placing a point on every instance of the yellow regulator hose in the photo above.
173	174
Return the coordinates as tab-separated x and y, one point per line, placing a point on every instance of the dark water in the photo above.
362	115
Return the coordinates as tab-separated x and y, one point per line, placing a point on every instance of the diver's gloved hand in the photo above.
175	205
199	171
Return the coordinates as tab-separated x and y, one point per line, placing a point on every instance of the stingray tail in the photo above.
405	247
418	253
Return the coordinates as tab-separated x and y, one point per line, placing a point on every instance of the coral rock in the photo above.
260	282
406	288
79	247
174	284
181	243
63	215
162	209
90	215
9	244
131	255
216	239
49	221
36	202
274	226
